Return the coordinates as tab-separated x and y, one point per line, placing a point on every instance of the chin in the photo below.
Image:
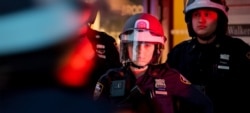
141	64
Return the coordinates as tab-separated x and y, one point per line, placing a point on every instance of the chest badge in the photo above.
160	87
160	84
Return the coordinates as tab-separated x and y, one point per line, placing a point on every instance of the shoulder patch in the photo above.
184	80
98	90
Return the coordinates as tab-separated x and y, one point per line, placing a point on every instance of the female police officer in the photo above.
142	85
213	61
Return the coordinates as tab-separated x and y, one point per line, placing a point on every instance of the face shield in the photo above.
139	46
142	40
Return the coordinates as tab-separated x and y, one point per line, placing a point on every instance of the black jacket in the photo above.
218	69
106	54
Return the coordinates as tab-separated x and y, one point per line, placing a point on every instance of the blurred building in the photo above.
170	12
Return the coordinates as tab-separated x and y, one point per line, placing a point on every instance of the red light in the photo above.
76	69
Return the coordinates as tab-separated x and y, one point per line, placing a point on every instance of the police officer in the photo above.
213	61
44	66
142	85
105	47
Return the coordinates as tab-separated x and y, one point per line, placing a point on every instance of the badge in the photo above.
224	56
141	24
160	87
160	84
98	90
184	80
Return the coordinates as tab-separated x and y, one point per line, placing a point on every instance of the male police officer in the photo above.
215	62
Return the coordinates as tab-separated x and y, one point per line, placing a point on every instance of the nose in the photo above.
202	18
140	48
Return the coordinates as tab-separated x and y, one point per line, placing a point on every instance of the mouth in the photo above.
139	58
201	27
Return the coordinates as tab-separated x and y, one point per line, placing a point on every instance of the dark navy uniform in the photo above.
150	93
218	69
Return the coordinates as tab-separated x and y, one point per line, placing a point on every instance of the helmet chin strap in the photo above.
136	66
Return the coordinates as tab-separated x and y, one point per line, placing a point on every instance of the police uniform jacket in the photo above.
106	55
218	69
150	93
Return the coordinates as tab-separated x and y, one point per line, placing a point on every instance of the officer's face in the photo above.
204	22
140	53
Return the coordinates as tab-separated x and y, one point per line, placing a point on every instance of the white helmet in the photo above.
142	27
218	5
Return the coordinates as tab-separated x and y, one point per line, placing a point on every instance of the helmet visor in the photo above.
140	53
141	35
140	45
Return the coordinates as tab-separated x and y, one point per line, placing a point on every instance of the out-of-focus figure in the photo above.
105	46
216	63
44	66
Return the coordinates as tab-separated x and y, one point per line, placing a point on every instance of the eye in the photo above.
196	14
148	44
207	14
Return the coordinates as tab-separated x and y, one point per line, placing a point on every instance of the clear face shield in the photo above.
138	46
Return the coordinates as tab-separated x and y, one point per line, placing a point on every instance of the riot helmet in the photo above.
218	5
141	28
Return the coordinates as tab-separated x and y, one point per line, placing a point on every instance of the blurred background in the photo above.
170	13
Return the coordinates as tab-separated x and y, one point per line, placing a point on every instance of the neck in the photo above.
138	71
208	41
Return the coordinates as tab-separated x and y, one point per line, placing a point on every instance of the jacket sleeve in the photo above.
189	93
101	90
197	98
175	54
